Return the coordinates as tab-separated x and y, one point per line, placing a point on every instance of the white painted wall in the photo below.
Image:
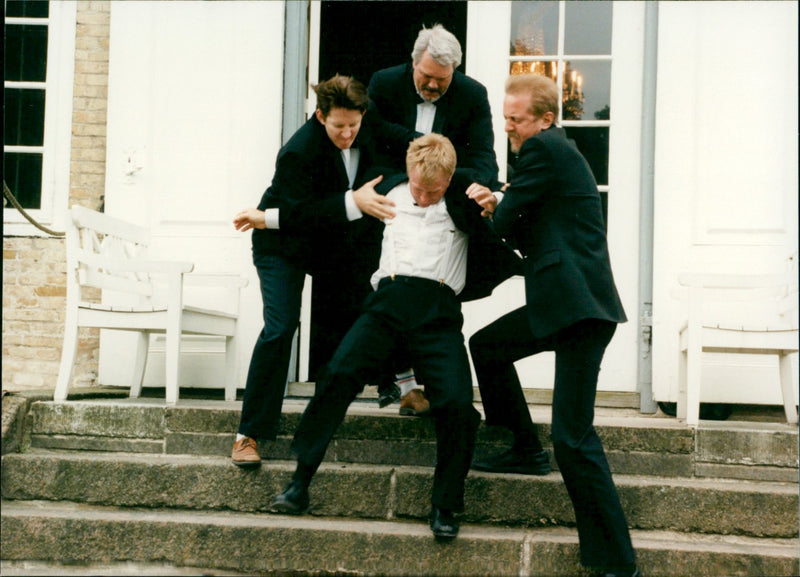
726	177
194	124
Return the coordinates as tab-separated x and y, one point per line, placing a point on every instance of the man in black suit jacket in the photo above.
302	225
427	265
430	95
551	212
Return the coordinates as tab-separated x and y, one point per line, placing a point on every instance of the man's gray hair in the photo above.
442	45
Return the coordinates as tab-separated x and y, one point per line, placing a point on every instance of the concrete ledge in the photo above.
279	545
97	420
634	445
748	444
533	396
747	472
91	443
24	568
376	491
14	410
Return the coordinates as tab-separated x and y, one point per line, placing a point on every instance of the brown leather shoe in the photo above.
415	404
245	453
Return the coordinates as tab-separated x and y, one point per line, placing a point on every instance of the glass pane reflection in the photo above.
542	67
26	53
587	91
587	27
534	28
592	141
23	123
26	8
23	174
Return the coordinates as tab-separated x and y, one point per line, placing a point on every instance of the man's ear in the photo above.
320	116
548	118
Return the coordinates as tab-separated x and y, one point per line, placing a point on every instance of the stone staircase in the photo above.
116	482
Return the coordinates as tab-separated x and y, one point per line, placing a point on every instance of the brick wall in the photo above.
34	268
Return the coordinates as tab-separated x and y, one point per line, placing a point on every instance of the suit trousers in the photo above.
421	319
281	294
579	349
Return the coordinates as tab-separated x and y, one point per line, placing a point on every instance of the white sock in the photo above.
239	436
406	382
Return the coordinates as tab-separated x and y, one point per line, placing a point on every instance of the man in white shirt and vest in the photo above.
415	311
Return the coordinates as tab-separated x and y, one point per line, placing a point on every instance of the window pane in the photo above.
25	56
593	144
23	122
587	91
23	175
587	28
543	67
534	28
27	8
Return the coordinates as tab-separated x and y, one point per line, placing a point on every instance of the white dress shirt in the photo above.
422	242
426	112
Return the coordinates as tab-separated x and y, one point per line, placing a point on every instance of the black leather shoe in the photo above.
516	461
443	524
293	501
388	395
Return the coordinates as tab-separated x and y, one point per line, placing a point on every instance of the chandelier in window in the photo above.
531	43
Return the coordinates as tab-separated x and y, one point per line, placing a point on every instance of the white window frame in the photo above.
58	85
561	60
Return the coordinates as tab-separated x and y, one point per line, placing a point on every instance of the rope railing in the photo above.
15	203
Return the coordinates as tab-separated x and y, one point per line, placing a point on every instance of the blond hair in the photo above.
433	155
543	92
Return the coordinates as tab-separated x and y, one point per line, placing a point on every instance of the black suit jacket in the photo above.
490	261
462	115
308	187
551	212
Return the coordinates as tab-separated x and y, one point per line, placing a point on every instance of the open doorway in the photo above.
356	39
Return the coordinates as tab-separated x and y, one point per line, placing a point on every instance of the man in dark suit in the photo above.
435	251
302	225
551	212
430	95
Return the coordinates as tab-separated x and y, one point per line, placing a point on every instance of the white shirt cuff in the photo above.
272	218
499	196
350	207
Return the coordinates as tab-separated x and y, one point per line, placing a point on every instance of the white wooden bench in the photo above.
773	330
110	254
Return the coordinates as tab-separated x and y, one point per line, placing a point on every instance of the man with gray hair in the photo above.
429	95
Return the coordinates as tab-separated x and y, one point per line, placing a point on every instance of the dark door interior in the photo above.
356	39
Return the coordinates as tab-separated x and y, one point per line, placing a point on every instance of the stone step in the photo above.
713	506
223	541
635	444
